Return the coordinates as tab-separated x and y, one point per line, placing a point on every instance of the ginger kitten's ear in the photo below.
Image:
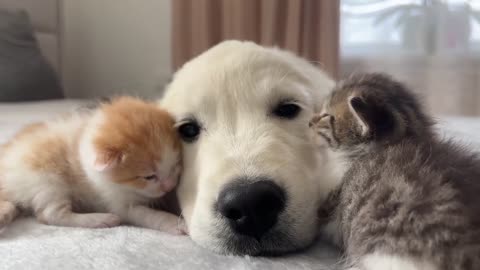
107	159
372	118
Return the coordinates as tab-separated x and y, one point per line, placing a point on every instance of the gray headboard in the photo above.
47	21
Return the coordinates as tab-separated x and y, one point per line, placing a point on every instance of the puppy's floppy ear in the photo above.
107	159
373	119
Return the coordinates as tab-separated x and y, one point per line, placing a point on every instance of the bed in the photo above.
26	244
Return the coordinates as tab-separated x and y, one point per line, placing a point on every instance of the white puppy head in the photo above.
252	181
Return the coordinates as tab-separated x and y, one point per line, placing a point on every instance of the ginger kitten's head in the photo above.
135	145
370	107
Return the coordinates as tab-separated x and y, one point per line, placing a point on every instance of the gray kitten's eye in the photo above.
287	110
150	177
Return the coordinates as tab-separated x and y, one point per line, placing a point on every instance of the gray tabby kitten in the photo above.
408	200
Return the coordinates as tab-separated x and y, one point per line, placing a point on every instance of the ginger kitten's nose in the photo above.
168	184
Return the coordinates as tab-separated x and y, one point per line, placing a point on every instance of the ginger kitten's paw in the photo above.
8	212
175	227
182	227
98	220
175	231
171	224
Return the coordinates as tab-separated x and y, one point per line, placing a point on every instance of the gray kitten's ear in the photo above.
373	118
359	108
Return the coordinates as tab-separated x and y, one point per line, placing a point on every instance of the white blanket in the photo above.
26	244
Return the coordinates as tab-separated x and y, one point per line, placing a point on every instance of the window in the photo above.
433	45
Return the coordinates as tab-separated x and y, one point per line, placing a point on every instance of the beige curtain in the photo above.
309	28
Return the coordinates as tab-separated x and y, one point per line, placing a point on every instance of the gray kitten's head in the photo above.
371	107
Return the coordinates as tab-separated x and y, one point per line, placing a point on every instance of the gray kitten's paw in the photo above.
321	125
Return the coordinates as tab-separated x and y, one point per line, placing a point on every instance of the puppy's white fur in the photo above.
231	91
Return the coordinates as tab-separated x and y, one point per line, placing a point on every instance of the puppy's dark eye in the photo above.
189	131
150	177
287	110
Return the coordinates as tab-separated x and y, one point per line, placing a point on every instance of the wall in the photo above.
116	46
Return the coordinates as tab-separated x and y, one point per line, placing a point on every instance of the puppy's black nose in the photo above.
252	208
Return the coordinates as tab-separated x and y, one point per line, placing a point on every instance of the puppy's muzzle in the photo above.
251	208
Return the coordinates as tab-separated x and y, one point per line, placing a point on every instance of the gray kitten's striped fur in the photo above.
405	192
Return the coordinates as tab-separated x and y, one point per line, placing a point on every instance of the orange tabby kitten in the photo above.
94	170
